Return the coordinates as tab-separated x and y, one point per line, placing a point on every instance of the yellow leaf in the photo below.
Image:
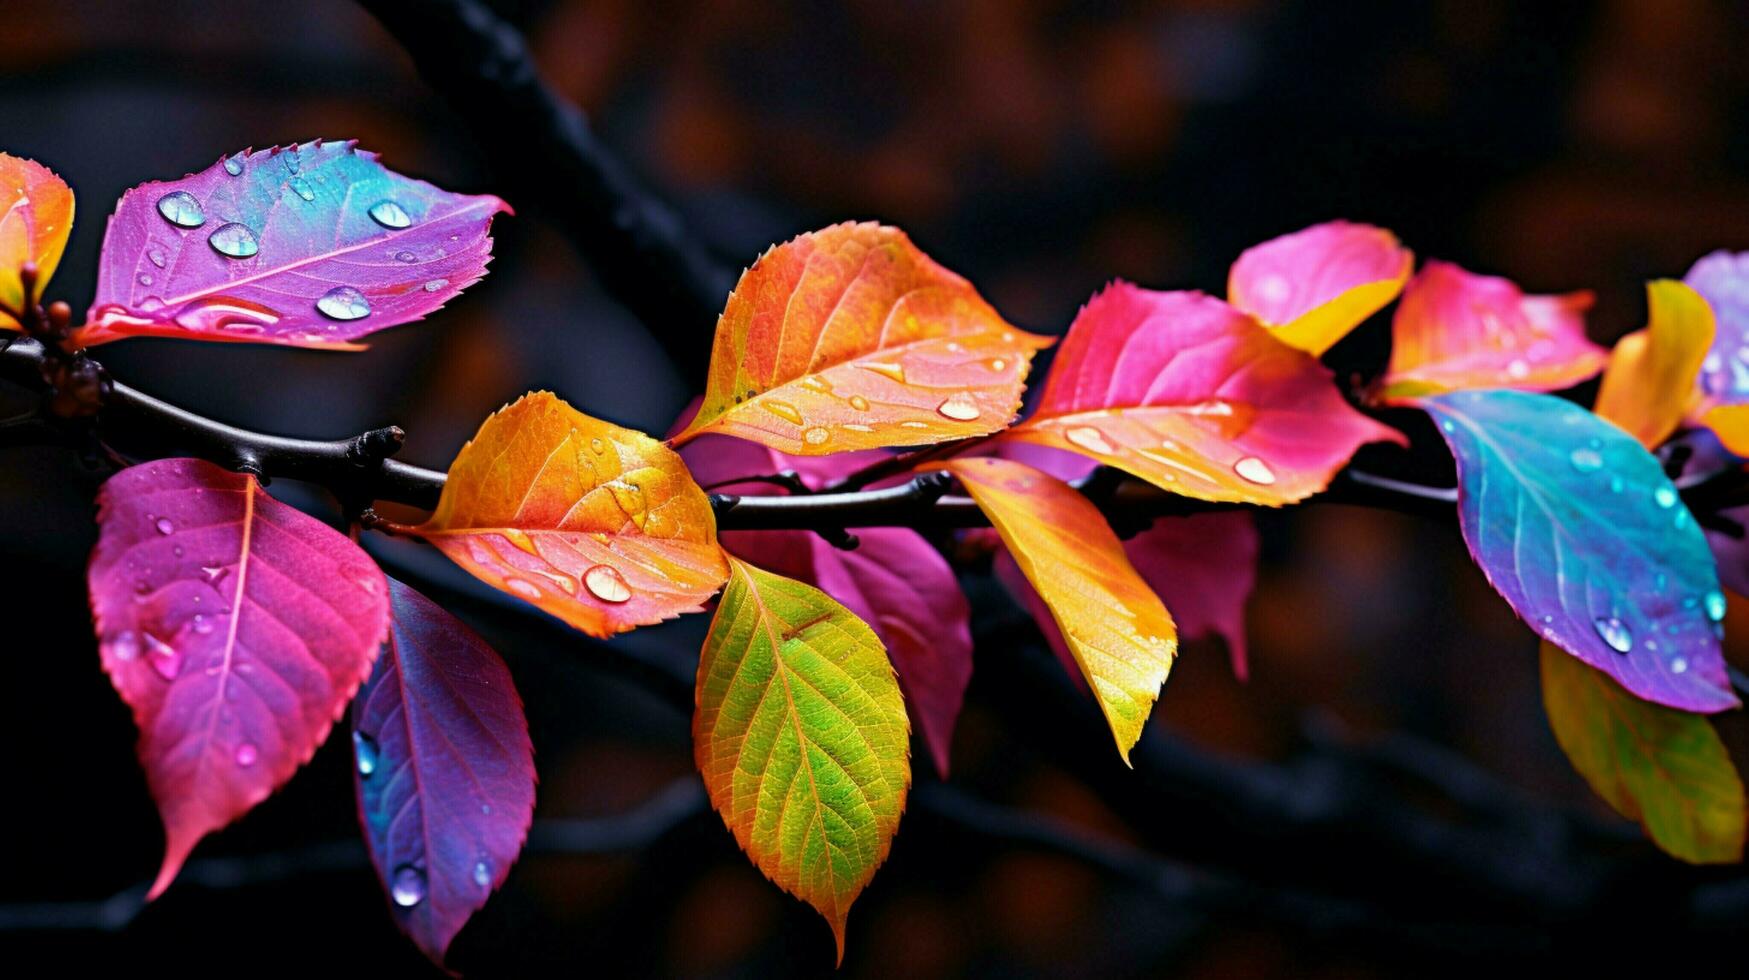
851	338
1649	385
802	738
1119	632
1731	424
601	526
1665	768
36	215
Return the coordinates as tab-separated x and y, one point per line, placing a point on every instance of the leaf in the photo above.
851	338
1722	278
443	768
309	246
1455	329
1731	424
894	580
1577	526
1193	396
1121	636
1650	383
802	738
36	216
598	525
1665	768
236	627
1314	286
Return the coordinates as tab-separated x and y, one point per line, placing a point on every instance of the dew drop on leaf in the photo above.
604	582
1715	606
234	164
482	874
145	280
389	215
1679	665
960	406
364	753
1255	470
1586	460
784	410
156	255
124	646
343	303
816	436
433	285
181	209
234	240
1089	438
302	188
525	589
408	887
859	403
200	624
1615	633
1665	496
405	256
163	525
247	754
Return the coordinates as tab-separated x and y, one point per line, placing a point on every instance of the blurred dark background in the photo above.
1039	148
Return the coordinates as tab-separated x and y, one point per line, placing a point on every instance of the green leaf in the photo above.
802	738
1665	768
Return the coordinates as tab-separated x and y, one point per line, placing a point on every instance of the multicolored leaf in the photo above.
235	627
1723	279
598	525
443	768
1314	286
314	245
36	216
1195	397
1649	386
1121	636
1456	329
1665	768
851	338
894	580
802	738
1575	523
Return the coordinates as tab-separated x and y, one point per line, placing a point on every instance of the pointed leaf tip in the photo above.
1314	286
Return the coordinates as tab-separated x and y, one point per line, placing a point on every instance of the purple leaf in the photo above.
1722	278
236	627
894	580
1576	525
444	770
310	246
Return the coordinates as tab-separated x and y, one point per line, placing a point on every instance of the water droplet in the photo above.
597	447
784	410
960	406
1255	470
145	280
1715	605
604	582
1586	460
124	646
163	525
884	369
200	624
343	303
181	209
997	364
525	589
1681	519
364	753
156	256
213	572
1447	426
1665	496
433	285
1518	369
859	403
247	754
302	188
405	256
408	887
291	158
1616	485
164	658
1615	633
816	436
234	240
389	215
234	164
482	874
1089	438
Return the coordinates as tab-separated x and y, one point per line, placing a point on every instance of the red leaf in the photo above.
444	770
236	627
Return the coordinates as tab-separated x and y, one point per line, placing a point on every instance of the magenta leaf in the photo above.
1577	526
311	246
894	580
444	770
235	626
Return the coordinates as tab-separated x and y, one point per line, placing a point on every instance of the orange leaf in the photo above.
1731	424
601	526
1119	632
36	215
1650	383
851	338
1195	397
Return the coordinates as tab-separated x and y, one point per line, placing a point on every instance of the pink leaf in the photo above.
444	770
893	580
311	246
1455	329
1314	286
236	627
